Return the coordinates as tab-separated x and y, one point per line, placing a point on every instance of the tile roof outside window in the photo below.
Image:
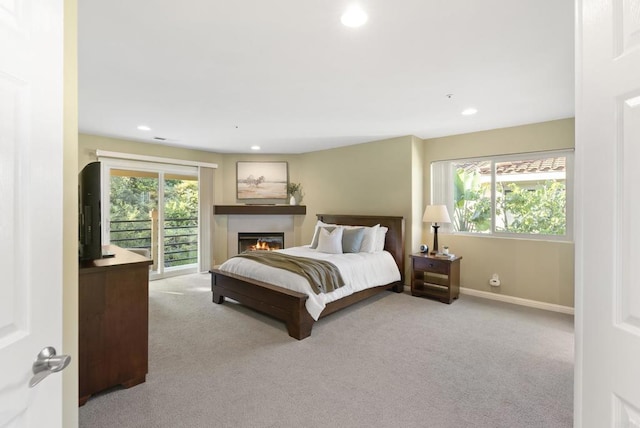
553	164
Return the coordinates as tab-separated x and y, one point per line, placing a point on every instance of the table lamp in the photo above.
436	214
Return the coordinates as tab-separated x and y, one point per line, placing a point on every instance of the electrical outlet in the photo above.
494	281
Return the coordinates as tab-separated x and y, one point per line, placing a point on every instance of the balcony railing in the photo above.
180	238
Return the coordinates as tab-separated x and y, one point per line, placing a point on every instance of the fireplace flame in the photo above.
263	246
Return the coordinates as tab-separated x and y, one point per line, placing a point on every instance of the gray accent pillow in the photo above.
352	240
314	243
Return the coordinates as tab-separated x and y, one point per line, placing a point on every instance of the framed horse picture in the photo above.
262	181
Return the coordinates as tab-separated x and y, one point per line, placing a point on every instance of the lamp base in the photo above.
435	238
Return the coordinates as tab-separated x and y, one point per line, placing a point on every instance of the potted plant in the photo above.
295	192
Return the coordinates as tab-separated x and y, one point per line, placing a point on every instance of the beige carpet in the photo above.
391	361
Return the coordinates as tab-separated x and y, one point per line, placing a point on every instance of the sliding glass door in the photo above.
153	208
180	222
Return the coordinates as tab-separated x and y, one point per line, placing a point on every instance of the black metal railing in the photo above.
180	238
180	241
131	233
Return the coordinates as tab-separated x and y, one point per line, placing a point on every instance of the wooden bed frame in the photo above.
289	306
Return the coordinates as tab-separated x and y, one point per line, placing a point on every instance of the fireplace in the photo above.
259	226
260	241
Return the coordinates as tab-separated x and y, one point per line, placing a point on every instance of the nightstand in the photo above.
435	277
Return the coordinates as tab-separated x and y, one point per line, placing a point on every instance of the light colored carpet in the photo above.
391	361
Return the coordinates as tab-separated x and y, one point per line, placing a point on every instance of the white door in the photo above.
30	208
608	214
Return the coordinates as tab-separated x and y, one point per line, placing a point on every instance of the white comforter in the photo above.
359	271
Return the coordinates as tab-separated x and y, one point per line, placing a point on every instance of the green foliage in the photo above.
181	222
540	210
537	209
181	199
133	198
472	209
295	190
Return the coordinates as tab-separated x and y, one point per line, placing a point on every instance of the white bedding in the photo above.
359	271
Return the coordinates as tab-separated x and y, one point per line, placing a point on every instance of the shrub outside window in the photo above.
525	195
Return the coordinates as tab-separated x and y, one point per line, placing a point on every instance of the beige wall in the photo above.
373	178
529	269
70	213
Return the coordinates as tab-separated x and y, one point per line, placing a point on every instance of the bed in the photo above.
288	305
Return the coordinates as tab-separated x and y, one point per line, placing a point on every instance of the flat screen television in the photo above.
89	213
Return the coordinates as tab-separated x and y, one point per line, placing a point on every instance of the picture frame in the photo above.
262	181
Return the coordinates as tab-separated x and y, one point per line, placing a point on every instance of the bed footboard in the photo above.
281	303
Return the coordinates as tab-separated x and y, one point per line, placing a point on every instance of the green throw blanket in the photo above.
322	275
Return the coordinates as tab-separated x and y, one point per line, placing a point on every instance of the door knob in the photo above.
46	363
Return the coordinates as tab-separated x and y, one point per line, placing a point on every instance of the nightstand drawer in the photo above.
431	265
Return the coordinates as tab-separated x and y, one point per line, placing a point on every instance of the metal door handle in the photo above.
46	363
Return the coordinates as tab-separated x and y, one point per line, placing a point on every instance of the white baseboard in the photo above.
518	301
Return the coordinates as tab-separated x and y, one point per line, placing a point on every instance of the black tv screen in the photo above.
89	213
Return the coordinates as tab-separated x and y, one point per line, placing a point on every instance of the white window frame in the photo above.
442	192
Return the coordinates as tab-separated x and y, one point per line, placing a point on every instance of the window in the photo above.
527	195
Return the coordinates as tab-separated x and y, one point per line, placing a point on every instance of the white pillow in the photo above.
380	236
330	242
369	241
319	224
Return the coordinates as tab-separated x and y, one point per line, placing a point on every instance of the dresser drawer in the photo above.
431	265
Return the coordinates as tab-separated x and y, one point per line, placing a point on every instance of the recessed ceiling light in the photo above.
469	111
633	102
144	128
354	16
255	147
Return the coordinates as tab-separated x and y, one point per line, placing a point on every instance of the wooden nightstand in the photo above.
435	277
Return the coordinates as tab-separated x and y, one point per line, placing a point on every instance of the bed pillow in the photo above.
369	240
352	239
380	237
330	241
319	224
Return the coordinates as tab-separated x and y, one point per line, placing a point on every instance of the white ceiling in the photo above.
288	76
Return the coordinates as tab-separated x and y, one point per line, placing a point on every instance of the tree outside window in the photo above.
133	198
472	198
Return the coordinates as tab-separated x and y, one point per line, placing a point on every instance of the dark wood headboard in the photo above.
394	241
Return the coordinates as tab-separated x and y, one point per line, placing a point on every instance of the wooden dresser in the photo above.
113	322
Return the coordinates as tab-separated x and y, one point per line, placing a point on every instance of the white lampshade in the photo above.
436	214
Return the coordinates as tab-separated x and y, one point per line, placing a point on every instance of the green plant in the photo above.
533	209
295	190
540	209
472	209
